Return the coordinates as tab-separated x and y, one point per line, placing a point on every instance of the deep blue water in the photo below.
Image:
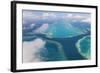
63	33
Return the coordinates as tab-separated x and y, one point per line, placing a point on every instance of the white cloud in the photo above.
69	15
74	16
27	13
42	28
88	20
32	25
48	15
30	50
78	17
30	16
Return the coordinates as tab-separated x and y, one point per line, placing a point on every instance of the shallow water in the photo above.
83	46
61	38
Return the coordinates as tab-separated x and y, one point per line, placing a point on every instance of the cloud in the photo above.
42	28
29	26
31	50
47	15
88	20
69	15
74	16
27	13
78	17
30	16
35	16
32	25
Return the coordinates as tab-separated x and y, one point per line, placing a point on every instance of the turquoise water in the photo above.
84	46
53	52
62	29
61	39
65	39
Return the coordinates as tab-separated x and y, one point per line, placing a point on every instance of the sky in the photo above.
31	16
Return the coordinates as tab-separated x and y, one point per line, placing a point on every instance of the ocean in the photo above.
63	42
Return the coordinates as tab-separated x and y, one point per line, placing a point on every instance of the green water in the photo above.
83	46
